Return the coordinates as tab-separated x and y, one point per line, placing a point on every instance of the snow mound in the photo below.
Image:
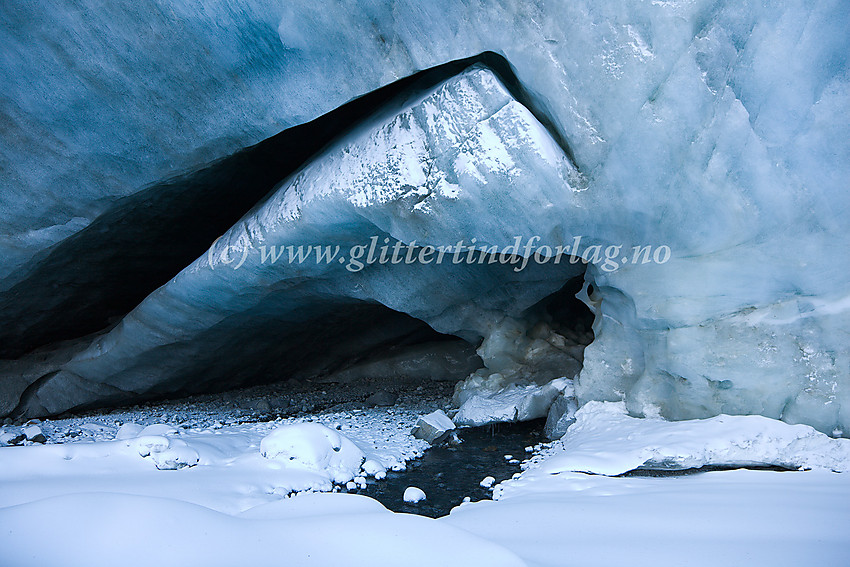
314	447
413	495
167	453
606	440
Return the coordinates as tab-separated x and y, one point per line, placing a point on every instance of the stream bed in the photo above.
449	473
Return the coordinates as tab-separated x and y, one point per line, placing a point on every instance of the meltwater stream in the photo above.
449	473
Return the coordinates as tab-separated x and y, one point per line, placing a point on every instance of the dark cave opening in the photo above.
566	314
355	347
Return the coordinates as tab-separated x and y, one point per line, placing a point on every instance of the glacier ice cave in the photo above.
713	132
571	277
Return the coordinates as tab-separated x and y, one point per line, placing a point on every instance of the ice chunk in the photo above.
365	188
511	403
710	149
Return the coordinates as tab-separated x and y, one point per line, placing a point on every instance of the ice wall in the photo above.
716	128
465	158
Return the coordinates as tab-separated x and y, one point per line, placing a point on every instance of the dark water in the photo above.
661	473
449	473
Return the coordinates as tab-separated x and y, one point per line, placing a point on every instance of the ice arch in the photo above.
464	161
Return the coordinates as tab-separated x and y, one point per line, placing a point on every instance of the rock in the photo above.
382	398
412	495
562	414
434	427
33	433
316	448
12	438
487	482
374	469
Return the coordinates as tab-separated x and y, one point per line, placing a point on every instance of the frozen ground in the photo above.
208	483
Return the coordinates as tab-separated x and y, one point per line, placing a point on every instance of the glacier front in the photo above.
715	129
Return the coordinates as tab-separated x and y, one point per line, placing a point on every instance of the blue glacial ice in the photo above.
718	129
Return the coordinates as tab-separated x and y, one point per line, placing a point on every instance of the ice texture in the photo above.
465	158
718	129
485	403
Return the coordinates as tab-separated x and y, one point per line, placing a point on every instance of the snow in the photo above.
717	129
210	460
105	529
235	505
33	433
413	495
606	440
487	482
756	518
555	512
316	448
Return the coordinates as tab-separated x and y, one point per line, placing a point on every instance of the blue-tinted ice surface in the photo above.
718	129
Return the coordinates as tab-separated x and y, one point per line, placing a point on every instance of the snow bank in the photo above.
141	531
551	517
606	440
219	467
742	517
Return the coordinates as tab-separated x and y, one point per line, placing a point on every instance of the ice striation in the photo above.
716	129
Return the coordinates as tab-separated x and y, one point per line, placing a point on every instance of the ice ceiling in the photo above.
717	129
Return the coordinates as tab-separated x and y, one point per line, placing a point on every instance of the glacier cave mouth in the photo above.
102	319
279	280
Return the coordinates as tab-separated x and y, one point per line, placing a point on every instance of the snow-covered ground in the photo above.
228	491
